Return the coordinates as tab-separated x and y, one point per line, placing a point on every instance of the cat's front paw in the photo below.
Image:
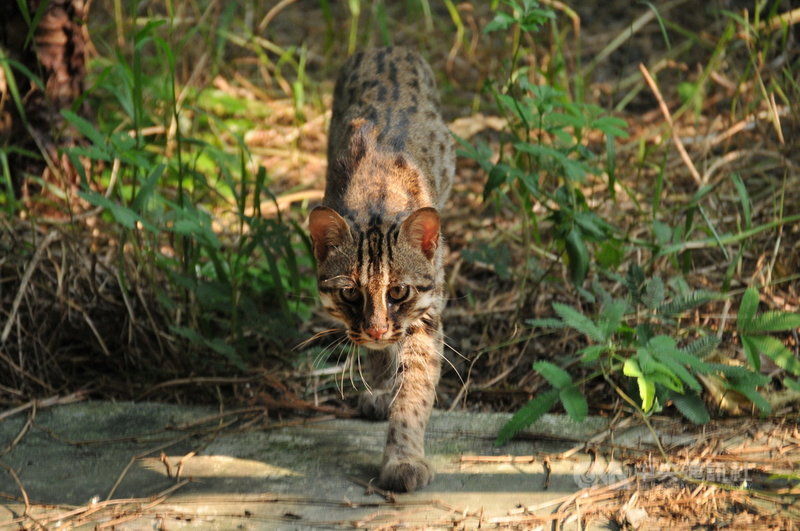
374	404
405	474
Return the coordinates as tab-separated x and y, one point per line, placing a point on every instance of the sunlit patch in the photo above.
208	466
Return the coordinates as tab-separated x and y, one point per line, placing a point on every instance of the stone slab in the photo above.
168	466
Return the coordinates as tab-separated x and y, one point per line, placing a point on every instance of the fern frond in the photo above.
546	323
575	319
574	402
527	415
555	375
695	363
653	293
751	352
773	321
752	394
611	316
747	308
740	374
682	304
602	293
702	346
591	353
692	407
777	351
680	371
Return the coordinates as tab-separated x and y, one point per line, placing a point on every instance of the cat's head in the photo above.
378	279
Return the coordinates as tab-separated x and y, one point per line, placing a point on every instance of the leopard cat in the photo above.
378	243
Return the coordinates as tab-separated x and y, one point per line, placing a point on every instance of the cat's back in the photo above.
393	90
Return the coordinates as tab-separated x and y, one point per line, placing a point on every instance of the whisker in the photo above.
451	363
316	336
400	378
364	381
446	338
340	382
325	353
353	358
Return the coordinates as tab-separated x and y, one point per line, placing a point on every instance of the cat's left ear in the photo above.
328	229
422	229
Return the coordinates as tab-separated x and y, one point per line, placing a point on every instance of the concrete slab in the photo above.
155	466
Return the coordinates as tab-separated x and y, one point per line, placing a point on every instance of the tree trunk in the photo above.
56	54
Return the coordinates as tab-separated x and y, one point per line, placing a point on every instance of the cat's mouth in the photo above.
371	343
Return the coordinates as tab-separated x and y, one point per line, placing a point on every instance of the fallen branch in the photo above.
47	402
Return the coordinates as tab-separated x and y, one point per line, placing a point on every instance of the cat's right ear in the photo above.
328	229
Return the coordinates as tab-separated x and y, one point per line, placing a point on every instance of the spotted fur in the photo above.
377	240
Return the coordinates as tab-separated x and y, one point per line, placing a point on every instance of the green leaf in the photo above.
631	368
751	352
748	389
501	21
496	255
776	351
610	254
578	256
692	407
611	126
662	232
555	375
574	402
545	323
662	375
574	319
215	344
497	176
747	308
653	293
680	371
124	215
702	346
201	232
692	361
772	321
661	344
591	353
634	281
744	198
647	392
84	127
527	415
592	226
611	317
736	373
681	304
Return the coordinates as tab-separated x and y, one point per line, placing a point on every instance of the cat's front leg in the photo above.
404	466
374	402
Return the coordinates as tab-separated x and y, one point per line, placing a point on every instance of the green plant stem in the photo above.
622	394
727	239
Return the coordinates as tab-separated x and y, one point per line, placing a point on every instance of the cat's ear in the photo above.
422	230
328	229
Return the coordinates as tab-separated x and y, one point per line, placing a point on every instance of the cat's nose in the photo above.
377	332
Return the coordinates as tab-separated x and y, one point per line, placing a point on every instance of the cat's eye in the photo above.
350	294
398	293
